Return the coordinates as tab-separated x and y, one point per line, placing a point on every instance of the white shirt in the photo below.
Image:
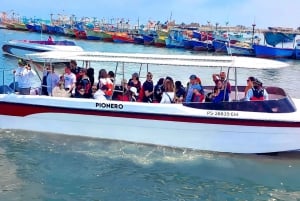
100	95
70	80
167	97
24	77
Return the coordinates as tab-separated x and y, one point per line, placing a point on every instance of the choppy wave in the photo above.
45	166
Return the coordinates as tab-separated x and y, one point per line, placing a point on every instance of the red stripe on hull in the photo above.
17	109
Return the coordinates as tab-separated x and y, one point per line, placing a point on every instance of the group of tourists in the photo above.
79	82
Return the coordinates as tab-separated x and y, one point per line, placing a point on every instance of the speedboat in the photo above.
235	126
19	48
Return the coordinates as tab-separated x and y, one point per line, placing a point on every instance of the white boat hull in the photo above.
200	136
21	48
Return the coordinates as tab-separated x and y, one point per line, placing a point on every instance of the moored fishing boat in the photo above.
122	37
93	34
236	126
277	44
240	49
16	26
175	39
265	51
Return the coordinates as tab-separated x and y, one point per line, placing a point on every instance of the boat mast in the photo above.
253	28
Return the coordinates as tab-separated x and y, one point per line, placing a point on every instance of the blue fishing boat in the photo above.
175	39
197	34
188	43
148	39
271	48
219	45
264	51
202	45
138	39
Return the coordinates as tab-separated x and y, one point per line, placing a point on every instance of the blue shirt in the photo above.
220	97
190	92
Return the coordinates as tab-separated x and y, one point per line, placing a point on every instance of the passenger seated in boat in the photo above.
221	94
198	97
83	85
148	89
50	39
94	90
59	89
135	82
169	94
100	94
104	80
111	76
90	74
257	92
250	81
179	92
158	90
193	84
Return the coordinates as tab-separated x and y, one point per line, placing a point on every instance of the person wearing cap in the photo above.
24	76
257	92
193	85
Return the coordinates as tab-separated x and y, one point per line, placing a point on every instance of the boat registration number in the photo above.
222	113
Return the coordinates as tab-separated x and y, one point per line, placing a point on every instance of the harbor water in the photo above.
45	166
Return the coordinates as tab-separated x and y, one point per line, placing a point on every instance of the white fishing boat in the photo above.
20	48
235	126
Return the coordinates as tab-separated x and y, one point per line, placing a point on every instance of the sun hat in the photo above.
134	91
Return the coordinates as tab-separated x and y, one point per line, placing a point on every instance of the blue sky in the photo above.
264	13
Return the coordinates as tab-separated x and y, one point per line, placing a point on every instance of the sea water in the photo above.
44	166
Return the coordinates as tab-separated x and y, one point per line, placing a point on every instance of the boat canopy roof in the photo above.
173	60
274	38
